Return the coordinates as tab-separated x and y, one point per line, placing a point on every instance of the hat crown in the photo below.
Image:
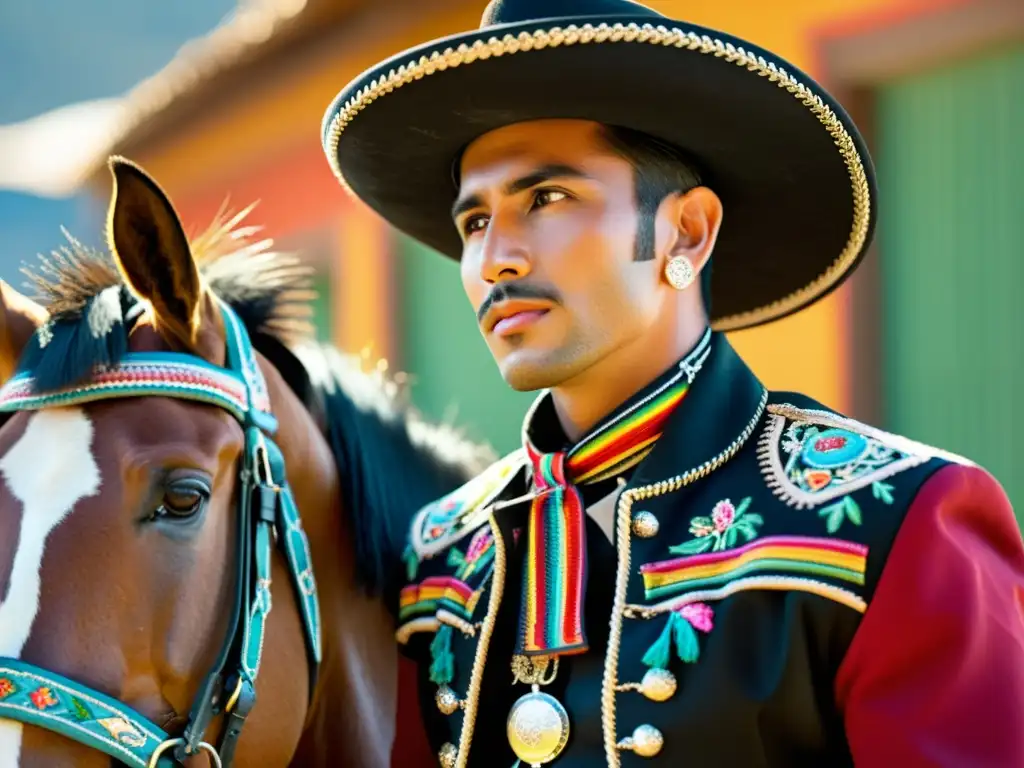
518	11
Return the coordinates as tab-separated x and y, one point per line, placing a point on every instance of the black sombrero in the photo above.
791	168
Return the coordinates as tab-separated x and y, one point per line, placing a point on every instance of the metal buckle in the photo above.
234	697
203	747
261	460
263	473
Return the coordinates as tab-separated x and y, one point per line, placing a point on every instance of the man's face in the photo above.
548	218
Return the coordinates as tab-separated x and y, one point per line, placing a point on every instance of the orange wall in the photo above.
289	185
807	352
296	192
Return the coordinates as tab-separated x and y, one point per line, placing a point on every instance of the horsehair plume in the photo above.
70	276
88	300
270	290
71	347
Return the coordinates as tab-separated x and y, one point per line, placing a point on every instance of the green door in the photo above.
323	306
454	376
951	235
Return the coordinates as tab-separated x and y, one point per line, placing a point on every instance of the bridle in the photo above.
266	515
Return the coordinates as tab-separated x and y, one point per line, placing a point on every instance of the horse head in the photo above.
177	461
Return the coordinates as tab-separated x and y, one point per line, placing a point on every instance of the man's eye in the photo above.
548	196
474	224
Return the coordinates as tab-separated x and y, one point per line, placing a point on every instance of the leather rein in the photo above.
267	515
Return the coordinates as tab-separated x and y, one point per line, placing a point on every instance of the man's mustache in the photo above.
518	289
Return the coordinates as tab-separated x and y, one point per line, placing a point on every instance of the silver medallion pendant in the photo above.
538	728
538	725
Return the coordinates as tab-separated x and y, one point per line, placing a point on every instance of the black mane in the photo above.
390	460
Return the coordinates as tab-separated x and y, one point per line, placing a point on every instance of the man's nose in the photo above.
505	253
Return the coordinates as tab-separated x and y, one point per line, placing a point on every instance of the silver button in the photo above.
646	741
658	685
645	525
448	756
447	701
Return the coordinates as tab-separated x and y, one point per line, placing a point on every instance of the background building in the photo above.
924	341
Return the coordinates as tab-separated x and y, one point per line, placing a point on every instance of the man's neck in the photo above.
585	400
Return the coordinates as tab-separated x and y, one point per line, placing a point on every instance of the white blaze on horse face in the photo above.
49	470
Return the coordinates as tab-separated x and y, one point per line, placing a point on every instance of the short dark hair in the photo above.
659	170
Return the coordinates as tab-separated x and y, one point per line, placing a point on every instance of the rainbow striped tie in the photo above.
554	585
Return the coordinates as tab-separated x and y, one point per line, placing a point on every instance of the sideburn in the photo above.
643	245
648	198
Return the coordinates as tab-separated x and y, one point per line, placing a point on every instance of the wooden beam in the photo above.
867	50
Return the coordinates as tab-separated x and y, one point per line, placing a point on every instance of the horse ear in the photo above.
152	251
19	319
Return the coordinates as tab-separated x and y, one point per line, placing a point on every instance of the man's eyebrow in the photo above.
464	204
523	183
542	174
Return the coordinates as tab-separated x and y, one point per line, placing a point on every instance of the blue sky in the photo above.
57	52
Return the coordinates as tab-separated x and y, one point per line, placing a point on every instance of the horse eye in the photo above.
184	498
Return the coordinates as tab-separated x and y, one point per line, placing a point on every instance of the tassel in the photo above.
687	646
657	655
678	632
442	667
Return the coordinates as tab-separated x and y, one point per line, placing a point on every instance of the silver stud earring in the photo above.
679	272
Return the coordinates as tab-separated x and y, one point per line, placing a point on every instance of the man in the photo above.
678	566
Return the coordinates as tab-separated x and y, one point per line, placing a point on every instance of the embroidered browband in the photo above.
138	374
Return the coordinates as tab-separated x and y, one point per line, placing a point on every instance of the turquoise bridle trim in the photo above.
48	700
267	514
140	374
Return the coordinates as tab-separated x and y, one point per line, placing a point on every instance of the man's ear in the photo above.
692	222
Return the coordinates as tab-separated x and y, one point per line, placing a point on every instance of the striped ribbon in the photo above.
551	619
823	558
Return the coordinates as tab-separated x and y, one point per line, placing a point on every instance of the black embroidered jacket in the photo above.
785	587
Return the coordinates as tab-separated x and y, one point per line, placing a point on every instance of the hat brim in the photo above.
792	171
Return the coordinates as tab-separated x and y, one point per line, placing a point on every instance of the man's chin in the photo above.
529	371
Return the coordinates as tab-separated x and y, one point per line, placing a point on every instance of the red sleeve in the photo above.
935	673
410	748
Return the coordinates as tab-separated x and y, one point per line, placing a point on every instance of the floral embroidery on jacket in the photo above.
478	555
445	521
814	458
722	530
848	509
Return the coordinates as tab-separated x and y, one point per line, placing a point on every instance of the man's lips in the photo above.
514	316
518	322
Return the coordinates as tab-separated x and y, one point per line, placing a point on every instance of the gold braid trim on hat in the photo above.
438	61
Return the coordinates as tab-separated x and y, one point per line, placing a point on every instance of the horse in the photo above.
194	490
